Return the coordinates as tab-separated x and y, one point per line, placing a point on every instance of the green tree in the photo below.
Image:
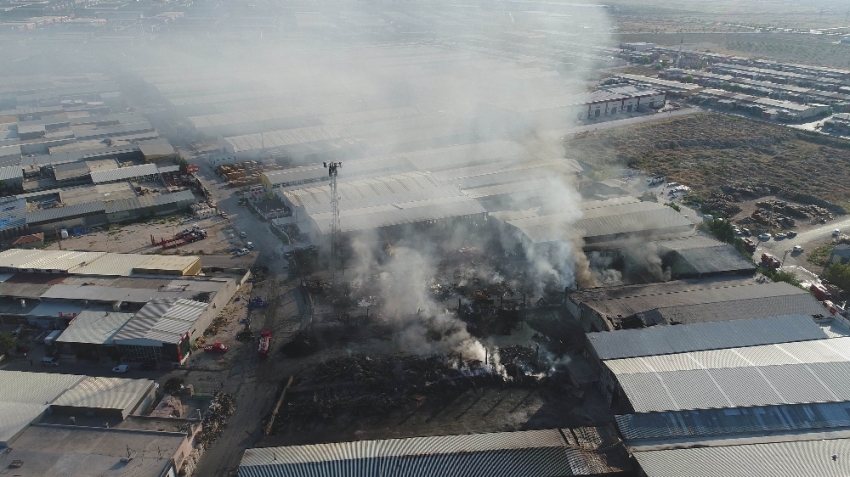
721	229
7	342
839	275
183	163
689	78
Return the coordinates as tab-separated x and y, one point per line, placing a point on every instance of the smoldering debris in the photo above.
359	387
215	418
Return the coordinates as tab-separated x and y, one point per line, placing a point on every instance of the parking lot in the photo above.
222	238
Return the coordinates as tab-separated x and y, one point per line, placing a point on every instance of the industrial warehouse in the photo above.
113	307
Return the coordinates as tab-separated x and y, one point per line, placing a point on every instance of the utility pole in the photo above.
332	168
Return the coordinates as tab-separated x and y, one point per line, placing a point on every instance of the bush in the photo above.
673	206
839	275
778	276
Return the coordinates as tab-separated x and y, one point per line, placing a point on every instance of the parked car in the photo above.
779	236
791	234
121	368
48	361
764	237
249	245
746	232
797	249
244	251
217	348
243	234
708	217
836	233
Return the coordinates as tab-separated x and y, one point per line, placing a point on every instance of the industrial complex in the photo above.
284	240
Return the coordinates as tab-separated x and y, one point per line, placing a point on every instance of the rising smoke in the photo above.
480	93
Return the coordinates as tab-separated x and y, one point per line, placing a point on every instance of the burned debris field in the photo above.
714	152
480	352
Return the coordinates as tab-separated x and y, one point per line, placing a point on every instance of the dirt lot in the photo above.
136	238
709	150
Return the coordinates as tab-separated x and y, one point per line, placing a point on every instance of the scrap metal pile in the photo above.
215	418
358	386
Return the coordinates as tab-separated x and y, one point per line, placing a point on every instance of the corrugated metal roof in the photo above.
95	327
11	173
284	137
70	170
162	320
65	260
156	263
401	213
135	203
15	417
362	189
626	301
706	260
793	304
353	169
661	340
11	150
465	154
13	212
492	455
667	427
813	351
124	173
612	218
810	458
737	386
113	264
105	393
67	212
34	388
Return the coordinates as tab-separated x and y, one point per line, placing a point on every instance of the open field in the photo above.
711	150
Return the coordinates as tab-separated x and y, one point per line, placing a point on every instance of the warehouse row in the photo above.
113	307
721	376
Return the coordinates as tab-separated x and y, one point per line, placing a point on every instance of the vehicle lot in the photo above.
136	237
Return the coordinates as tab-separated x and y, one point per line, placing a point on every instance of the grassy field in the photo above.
709	150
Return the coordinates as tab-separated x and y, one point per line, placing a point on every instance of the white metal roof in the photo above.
362	189
34	388
105	393
162	320
65	260
61	260
737	386
812	351
810	458
124	173
95	327
15	417
284	137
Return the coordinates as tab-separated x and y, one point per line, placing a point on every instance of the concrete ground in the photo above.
136	237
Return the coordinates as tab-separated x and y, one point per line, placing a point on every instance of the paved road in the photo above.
793	262
812	235
253	382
